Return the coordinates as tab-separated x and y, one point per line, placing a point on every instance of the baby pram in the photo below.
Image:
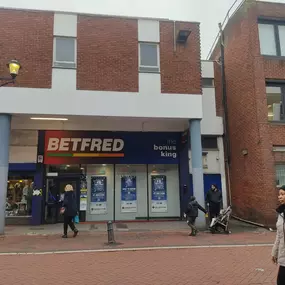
221	222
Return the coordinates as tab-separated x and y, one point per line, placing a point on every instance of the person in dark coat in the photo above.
69	210
191	214
214	201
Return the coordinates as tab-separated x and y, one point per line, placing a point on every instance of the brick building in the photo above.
255	77
102	103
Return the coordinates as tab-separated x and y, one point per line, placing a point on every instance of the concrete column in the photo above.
222	171
197	167
5	126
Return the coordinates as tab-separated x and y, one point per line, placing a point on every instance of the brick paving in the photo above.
88	240
199	266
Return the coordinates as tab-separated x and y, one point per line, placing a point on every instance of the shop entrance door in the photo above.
55	196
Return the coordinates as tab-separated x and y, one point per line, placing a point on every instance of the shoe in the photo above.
64	236
75	233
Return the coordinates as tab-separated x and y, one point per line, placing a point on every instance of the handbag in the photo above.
76	219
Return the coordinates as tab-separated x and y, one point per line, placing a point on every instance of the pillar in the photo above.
5	126
197	168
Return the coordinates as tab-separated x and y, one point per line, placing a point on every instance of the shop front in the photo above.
121	176
20	185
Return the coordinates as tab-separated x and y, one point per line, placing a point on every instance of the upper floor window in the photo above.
272	39
148	57
64	52
207	82
275	102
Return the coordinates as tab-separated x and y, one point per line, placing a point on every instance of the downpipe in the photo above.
252	223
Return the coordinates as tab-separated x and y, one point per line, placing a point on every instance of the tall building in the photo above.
104	103
254	43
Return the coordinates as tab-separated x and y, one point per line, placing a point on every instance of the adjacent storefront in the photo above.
20	187
117	175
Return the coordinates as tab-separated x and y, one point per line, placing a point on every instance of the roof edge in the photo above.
98	15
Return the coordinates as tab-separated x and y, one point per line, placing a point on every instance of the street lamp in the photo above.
14	66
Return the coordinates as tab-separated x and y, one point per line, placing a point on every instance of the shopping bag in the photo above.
62	210
76	219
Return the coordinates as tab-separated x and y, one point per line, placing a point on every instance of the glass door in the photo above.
55	196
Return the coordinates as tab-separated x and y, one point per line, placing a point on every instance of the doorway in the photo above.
55	194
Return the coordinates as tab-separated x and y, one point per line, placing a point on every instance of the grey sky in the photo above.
208	12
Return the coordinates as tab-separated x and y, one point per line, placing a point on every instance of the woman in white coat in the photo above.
278	251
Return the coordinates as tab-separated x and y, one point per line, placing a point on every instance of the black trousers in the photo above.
68	221
191	223
214	210
281	276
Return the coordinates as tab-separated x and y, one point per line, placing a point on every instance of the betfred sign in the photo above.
85	145
92	147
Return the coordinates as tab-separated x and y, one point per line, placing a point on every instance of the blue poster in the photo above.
158	194
98	195
128	194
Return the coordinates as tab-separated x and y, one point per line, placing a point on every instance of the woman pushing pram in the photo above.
191	214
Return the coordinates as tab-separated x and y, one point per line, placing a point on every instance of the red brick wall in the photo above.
180	69
28	37
253	175
107	54
218	89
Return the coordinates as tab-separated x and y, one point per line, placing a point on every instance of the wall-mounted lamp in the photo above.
183	36
13	66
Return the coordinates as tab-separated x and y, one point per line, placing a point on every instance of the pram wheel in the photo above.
212	230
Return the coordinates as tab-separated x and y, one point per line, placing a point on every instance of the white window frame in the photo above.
146	68
64	64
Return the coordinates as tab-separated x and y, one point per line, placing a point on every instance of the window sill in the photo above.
152	72
64	67
277	122
273	57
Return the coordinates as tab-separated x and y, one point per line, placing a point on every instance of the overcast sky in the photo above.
208	12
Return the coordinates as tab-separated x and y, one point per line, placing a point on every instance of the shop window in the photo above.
148	57
66	168
19	196
275	102
64	52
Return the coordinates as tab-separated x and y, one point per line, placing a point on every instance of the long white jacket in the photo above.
278	250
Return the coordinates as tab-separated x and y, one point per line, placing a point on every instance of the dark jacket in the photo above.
70	205
193	207
214	197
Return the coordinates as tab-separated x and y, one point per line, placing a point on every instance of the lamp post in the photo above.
14	66
5	128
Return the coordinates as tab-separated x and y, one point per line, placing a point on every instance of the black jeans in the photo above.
214	210
281	276
68	221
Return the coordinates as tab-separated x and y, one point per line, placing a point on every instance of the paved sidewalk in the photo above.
212	266
97	240
242	258
165	226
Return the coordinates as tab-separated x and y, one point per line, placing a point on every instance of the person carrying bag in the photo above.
69	211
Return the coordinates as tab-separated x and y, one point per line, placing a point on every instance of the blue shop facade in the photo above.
120	176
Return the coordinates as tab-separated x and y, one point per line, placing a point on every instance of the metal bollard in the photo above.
110	230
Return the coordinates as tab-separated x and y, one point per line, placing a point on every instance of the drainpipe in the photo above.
252	223
225	108
174	36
